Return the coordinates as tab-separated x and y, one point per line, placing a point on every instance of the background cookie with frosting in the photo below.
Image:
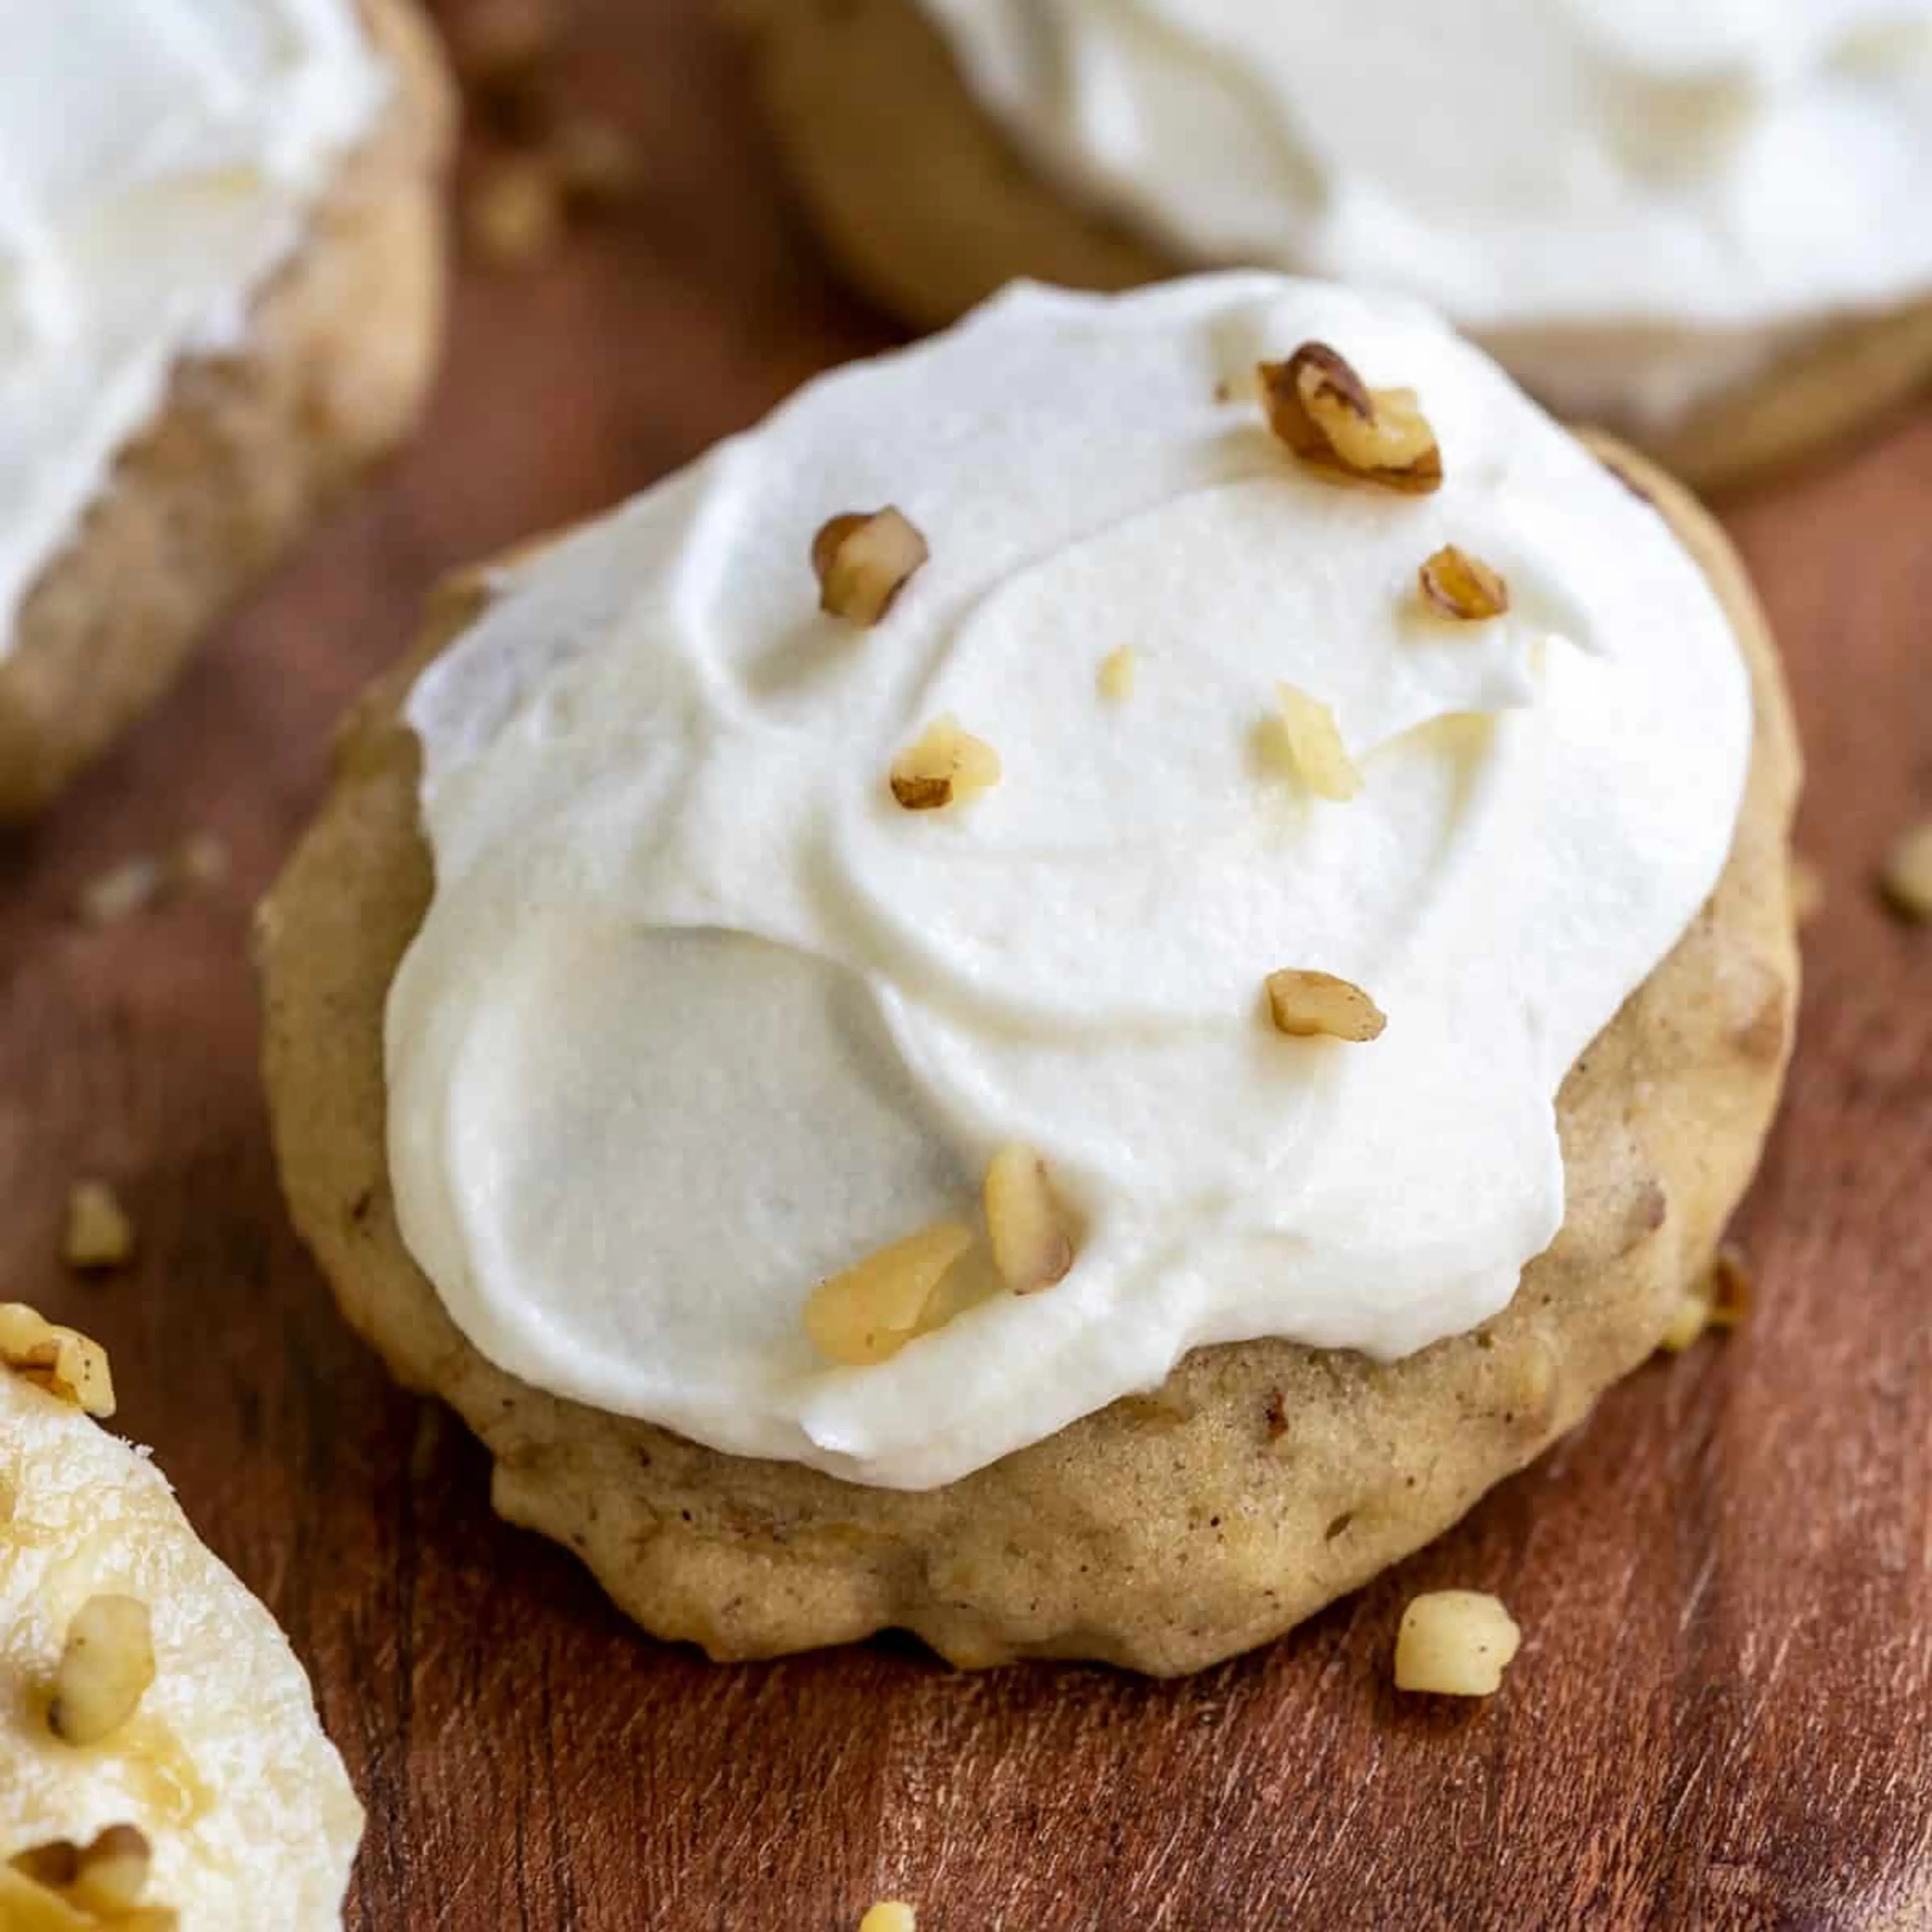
220	297
1060	999
1661	217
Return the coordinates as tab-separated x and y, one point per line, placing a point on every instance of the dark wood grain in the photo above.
1723	1714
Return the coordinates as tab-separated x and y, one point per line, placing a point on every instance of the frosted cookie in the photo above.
161	1766
1659	216
1062	998
220	294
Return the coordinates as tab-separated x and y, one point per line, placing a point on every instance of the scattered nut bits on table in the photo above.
1455	1643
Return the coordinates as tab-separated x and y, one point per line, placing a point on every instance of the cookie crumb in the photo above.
1455	1643
868	1313
1274	1415
1462	587
1906	881
1719	1298
513	214
121	892
1308	1006
948	766
863	559
1334	424
105	1667
63	1361
1315	746
1117	674
889	1914
99	1233
1032	1248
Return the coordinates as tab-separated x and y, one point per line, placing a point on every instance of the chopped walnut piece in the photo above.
513	216
61	1360
1334	423
1719	1298
105	1669
863	559
872	1311
1455	1643
889	1914
1308	1006
1907	878
1032	1247
99	1233
119	893
1321	760
948	766
105	1877
1462	587
1117	674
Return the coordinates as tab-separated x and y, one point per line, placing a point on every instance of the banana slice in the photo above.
161	1763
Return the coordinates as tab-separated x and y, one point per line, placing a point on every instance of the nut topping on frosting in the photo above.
104	1879
872	1311
105	1670
1308	1006
1032	1249
1321	760
1462	587
1117	674
948	766
60	1360
863	561
1334	423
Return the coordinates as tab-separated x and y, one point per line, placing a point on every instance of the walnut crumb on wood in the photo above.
1719	1298
1455	1643
1906	880
99	1233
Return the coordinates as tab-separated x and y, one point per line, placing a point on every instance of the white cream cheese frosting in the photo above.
699	1016
158	159
1637	202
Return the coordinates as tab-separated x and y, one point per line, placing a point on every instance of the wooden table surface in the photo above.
1722	1715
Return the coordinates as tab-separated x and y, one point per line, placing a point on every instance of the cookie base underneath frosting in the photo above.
1168	1530
929	208
249	449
